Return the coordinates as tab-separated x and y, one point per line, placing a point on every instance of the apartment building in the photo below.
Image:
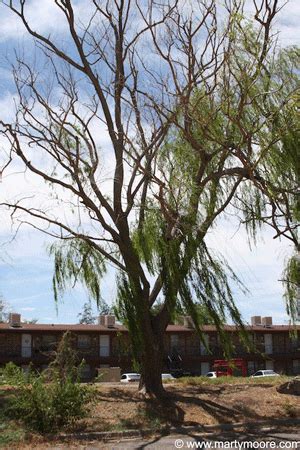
107	344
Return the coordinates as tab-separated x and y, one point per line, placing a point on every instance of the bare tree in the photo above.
4	310
148	121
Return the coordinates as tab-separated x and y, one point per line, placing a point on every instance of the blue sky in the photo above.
25	267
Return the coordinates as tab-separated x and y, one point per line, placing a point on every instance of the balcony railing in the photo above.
216	351
17	351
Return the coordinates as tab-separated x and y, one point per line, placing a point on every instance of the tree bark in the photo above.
151	361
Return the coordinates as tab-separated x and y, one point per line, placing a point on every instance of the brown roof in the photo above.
208	328
116	328
61	327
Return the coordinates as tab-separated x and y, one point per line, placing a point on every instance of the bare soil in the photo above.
121	407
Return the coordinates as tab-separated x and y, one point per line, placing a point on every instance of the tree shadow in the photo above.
154	413
221	413
117	394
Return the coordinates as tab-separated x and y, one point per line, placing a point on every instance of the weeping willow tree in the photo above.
157	120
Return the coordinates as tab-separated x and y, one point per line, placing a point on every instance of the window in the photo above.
104	345
260	341
46	342
204	345
83	341
268	344
174	338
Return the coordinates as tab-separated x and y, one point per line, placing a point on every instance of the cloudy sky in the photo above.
25	267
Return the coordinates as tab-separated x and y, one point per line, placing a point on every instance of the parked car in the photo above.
265	373
167	376
211	374
130	377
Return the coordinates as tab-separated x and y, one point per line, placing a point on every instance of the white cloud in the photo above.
44	16
260	269
287	23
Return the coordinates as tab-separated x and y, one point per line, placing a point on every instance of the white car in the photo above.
130	377
167	376
265	373
211	374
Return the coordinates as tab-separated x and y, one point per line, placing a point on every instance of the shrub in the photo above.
53	399
47	407
13	375
66	360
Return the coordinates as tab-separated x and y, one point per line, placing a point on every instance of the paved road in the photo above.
264	440
287	438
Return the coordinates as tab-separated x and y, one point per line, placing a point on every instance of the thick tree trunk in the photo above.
152	360
149	344
151	382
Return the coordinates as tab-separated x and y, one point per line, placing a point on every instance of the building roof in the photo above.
101	328
61	327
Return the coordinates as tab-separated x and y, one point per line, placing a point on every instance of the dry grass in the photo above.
194	401
275	381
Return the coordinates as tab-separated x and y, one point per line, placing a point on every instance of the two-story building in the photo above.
107	344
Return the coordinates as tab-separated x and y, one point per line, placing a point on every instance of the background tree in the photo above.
104	308
191	101
87	316
30	321
4	310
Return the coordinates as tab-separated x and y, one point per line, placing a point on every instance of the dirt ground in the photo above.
121	407
118	407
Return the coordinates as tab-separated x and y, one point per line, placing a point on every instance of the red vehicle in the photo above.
232	367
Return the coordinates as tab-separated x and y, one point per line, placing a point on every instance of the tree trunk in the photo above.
149	346
151	382
152	360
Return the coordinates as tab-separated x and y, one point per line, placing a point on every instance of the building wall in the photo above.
185	347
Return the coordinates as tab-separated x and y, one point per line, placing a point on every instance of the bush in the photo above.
47	407
13	375
53	399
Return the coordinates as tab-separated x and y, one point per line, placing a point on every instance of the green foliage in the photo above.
196	281
13	375
10	437
291	279
104	308
76	260
47	407
51	400
65	364
86	316
233	147
127	311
